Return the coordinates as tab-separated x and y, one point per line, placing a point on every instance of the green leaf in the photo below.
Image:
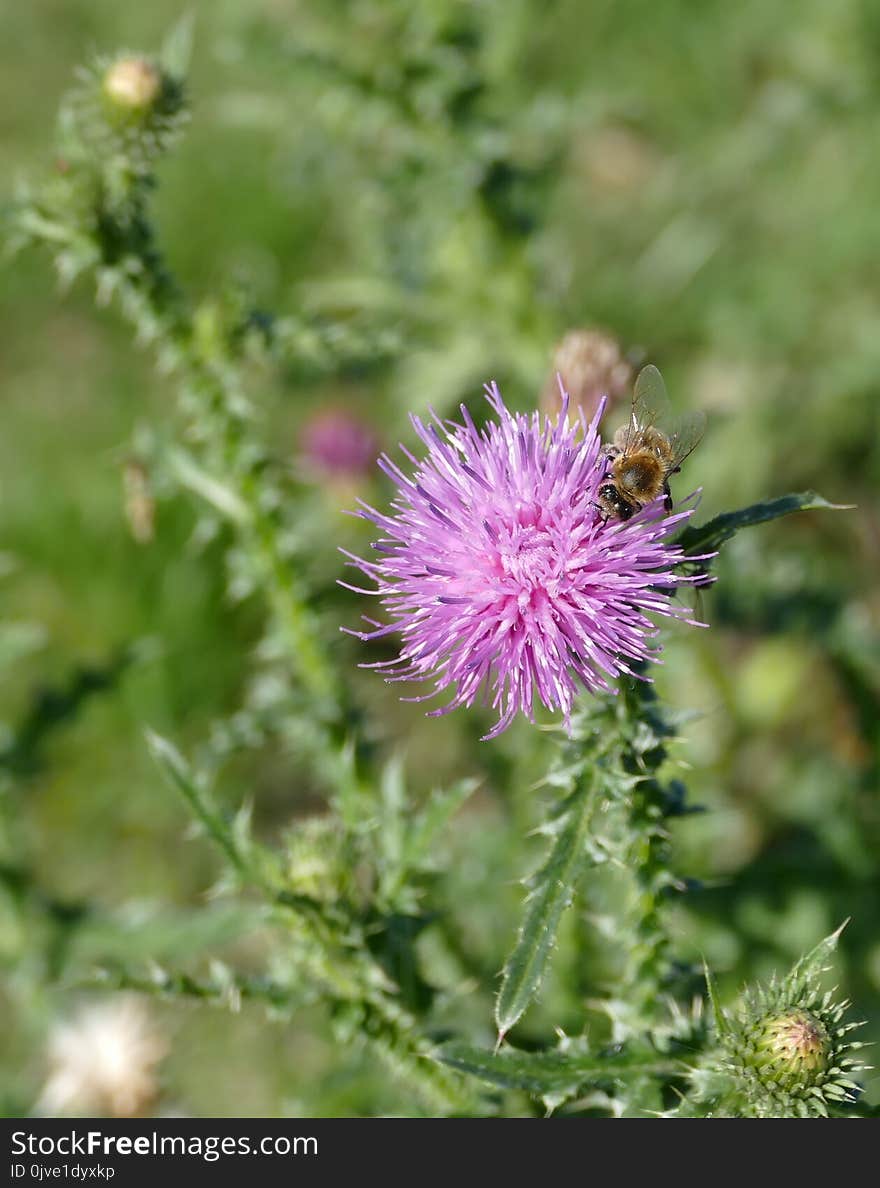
813	964
556	1074
137	933
18	640
433	819
708	538
219	828
219	495
176	50
392	787
406	845
722	1025
224	988
552	891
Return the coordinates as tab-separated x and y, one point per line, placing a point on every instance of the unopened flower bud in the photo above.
591	365
133	85
339	446
791	1050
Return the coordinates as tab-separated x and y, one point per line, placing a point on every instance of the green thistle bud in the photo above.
132	85
122	115
314	850
791	1050
785	1052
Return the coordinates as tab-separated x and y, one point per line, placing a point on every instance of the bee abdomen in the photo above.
638	474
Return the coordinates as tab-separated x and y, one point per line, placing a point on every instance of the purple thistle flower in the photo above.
338	445
500	573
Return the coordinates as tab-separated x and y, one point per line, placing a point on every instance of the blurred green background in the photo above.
703	182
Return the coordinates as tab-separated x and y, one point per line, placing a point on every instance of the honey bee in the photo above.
643	453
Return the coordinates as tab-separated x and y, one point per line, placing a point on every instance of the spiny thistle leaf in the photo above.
407	840
558	1074
221	829
224	988
433	819
722	1026
707	538
552	890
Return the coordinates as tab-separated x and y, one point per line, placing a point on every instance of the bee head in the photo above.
612	503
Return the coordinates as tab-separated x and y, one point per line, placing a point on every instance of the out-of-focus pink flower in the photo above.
337	444
501	575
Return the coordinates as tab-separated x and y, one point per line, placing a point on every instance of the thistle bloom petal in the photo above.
500	573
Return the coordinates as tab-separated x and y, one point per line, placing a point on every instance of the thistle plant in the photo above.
499	583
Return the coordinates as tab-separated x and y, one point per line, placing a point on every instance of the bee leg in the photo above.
667	496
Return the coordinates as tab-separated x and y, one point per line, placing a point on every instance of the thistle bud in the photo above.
132	86
338	446
791	1050
591	365
313	859
125	111
786	1052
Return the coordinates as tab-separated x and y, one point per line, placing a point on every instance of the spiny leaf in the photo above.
406	845
552	890
218	827
555	1072
707	538
814	963
440	809
722	1025
224	988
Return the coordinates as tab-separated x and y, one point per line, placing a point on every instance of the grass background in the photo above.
703	181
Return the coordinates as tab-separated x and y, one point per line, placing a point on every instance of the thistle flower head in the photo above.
502	576
104	1062
336	444
133	84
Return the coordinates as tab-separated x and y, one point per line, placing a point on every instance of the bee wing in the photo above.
685	437
650	402
650	405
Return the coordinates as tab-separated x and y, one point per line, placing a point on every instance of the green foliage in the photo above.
708	538
570	1071
550	892
427	220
